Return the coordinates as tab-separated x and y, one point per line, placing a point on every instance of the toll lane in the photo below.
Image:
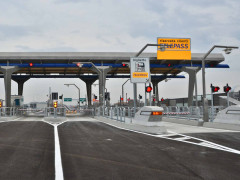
26	151
93	150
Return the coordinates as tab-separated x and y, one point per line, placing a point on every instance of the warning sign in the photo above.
140	70
174	49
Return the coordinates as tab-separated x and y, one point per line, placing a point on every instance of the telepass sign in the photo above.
174	48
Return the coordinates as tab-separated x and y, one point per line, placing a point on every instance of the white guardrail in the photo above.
191	113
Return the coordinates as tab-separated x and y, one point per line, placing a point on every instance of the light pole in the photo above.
227	50
123	89
78	92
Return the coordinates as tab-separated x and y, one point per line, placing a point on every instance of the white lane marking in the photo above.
58	159
205	144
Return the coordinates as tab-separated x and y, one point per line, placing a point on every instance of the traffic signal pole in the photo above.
212	102
145	103
135	96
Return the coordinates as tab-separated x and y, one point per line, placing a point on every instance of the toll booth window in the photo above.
146	113
233	112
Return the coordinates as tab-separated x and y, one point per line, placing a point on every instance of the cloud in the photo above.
127	25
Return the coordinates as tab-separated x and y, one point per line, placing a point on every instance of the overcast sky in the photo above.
117	26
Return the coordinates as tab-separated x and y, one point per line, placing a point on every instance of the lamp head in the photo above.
228	50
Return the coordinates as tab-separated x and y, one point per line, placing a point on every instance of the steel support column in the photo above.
7	72
20	82
102	73
89	83
192	71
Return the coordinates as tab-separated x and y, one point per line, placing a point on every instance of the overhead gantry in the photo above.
22	66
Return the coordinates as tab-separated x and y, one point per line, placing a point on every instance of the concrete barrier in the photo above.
234	127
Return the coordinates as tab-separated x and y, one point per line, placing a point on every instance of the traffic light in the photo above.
214	88
162	99
95	97
169	65
0	104
31	64
125	65
227	88
154	99
148	89
55	104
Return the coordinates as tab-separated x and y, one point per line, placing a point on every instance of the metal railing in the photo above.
191	113
8	112
55	112
181	112
116	113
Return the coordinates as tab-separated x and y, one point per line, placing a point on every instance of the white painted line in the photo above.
182	138
58	159
206	144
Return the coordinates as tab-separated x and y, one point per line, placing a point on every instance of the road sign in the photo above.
68	99
140	70
174	49
82	99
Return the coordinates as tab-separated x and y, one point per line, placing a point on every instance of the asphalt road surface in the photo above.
26	151
93	150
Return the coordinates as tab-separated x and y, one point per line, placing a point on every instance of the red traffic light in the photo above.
215	88
162	99
31	64
227	88
121	99
148	89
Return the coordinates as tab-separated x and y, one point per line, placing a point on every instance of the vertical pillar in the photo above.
192	71
7	72
135	97
20	82
102	73
89	83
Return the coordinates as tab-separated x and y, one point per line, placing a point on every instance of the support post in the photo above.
20	82
7	72
135	97
89	83
192	77
102	73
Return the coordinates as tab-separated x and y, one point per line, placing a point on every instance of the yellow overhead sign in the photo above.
174	48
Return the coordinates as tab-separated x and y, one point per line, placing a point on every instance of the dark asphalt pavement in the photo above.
26	151
93	150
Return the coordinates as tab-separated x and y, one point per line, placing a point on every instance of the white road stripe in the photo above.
58	159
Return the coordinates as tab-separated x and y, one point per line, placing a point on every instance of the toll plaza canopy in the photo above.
62	62
21	66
